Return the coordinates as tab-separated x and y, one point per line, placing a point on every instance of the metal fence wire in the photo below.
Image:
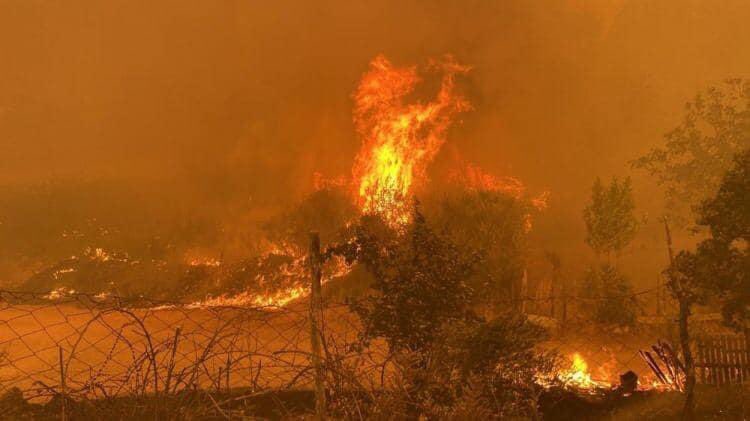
91	346
96	347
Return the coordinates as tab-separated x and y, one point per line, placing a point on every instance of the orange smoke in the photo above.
399	140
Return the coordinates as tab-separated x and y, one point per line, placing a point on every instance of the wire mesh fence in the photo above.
88	347
96	347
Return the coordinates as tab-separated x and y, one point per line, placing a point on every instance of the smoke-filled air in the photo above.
421	210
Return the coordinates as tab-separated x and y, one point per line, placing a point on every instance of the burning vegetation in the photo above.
442	275
400	139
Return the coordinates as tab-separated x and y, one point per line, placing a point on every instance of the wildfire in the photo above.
268	301
321	182
293	276
472	177
399	139
204	261
578	376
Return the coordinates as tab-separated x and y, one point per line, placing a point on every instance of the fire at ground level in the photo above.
260	355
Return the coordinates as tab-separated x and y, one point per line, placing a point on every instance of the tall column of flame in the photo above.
399	139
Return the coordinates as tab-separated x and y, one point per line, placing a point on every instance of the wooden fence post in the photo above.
316	309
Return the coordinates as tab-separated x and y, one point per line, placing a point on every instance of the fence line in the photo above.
84	347
723	359
115	346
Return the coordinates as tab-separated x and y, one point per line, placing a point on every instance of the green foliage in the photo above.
493	366
477	346
691	163
13	405
720	266
728	213
475	368
492	226
609	294
610	221
449	361
419	280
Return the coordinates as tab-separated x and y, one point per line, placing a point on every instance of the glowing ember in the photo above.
398	139
59	293
204	261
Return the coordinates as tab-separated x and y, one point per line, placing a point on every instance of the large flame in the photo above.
399	139
578	376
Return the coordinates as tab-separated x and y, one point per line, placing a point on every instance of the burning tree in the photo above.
399	139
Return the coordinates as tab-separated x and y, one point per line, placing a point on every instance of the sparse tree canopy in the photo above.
610	220
691	163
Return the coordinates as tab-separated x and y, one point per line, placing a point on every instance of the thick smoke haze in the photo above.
234	104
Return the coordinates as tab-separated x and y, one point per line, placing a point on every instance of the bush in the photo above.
477	368
449	362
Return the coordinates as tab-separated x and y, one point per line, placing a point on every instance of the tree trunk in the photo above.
688	412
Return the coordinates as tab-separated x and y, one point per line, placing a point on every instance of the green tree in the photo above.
610	220
492	226
695	155
610	296
720	266
419	280
690	166
448	358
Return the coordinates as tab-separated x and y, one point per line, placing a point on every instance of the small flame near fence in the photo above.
578	377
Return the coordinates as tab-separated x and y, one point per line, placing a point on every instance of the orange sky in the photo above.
220	94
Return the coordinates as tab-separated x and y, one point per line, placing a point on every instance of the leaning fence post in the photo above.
63	416
316	308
